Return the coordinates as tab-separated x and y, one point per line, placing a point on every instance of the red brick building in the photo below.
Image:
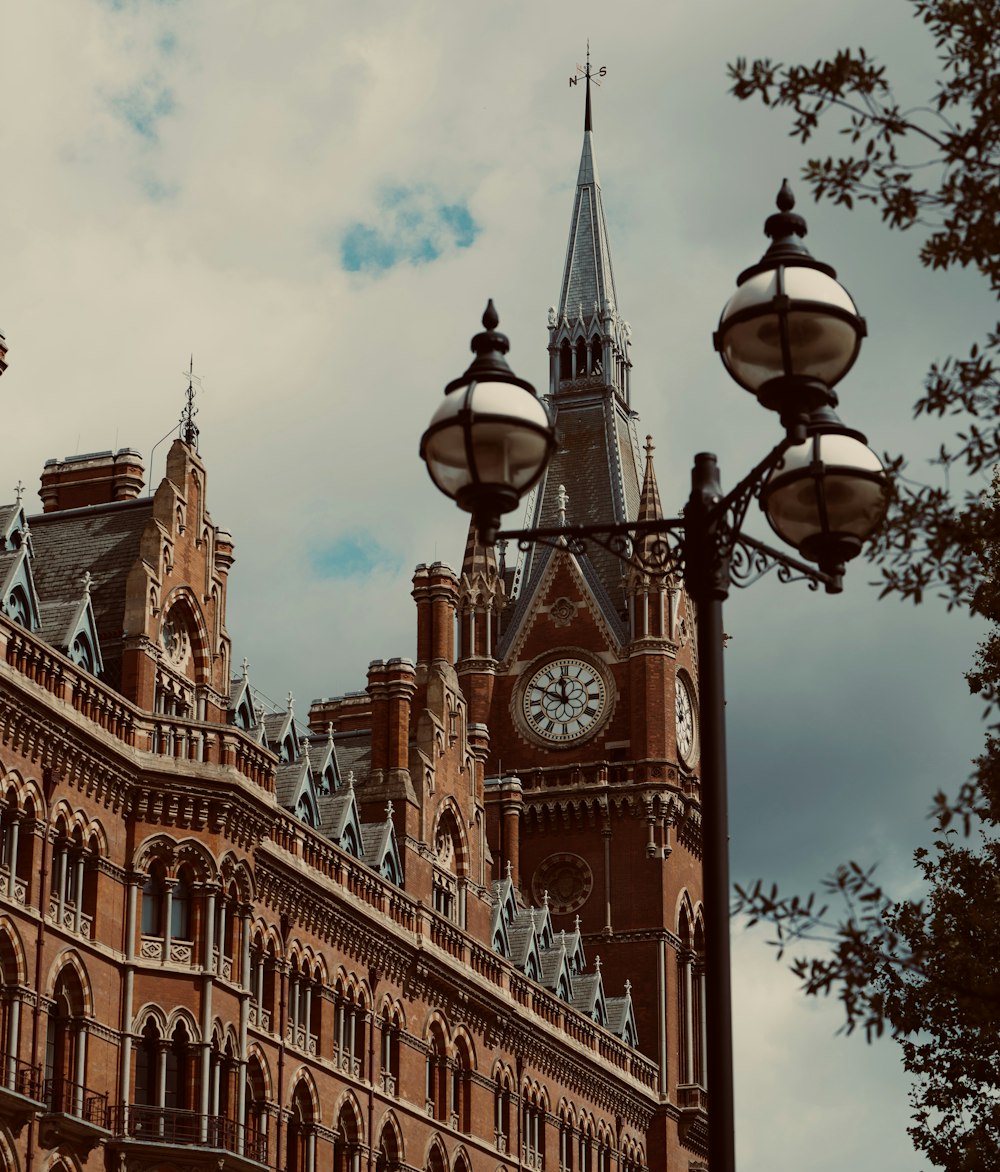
453	924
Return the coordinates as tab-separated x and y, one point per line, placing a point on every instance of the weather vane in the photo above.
591	75
189	431
586	71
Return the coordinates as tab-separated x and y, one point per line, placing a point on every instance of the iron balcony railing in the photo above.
170	1125
71	1098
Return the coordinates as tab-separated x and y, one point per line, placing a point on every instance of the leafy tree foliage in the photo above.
926	970
933	168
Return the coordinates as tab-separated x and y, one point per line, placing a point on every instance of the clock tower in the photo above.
584	670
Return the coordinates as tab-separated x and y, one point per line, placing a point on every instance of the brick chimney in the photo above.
97	478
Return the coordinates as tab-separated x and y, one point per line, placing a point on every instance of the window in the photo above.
501	1112
349	1030
15	851
167	1085
304	1007
263	965
533	1133
437	1068
389	1051
256	1113
301	1154
73	890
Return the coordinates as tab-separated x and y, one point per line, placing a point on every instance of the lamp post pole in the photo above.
707	580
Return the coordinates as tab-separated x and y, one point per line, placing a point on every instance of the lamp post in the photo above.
788	334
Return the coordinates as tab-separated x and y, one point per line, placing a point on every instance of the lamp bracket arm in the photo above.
752	559
652	546
730	511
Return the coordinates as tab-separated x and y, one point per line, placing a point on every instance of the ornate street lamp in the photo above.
490	440
789	334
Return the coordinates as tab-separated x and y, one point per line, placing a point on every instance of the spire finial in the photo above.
388	811
329	731
291	704
576	924
18	492
246	668
597	963
350	779
510	868
86	583
189	432
589	75
562	500
628	987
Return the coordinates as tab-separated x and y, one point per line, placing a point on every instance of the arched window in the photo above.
15	850
389	1051
180	908
437	1068
301	1151
389	1156
66	1048
581	358
305	1007
565	361
263	966
596	361
14	1075
347	1143
501	1112
73	893
349	1029
255	1144
153	898
167	1086
565	1144
461	1086
532	1129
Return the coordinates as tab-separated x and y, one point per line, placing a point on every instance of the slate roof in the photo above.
334	811
354	751
103	539
57	620
586	991
374	841
288	781
618	1013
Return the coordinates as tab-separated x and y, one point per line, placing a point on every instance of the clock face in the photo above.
564	700
684	709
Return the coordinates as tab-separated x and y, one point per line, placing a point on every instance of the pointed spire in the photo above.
649	501
478	558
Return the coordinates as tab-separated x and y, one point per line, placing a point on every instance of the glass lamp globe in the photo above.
827	495
490	440
790	332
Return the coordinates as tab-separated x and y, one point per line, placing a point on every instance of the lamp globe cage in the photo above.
790	332
490	440
827	495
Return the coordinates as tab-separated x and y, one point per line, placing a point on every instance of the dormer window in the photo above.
81	653
18	608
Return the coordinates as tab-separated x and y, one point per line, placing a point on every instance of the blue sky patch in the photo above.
143	106
353	555
412	225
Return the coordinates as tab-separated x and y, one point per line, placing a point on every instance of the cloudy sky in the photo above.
316	198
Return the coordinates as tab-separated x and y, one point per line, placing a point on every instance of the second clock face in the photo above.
564	700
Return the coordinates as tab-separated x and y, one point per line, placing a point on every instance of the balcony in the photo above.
298	1037
20	1092
71	918
149	1136
13	888
261	1018
73	1114
692	1098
